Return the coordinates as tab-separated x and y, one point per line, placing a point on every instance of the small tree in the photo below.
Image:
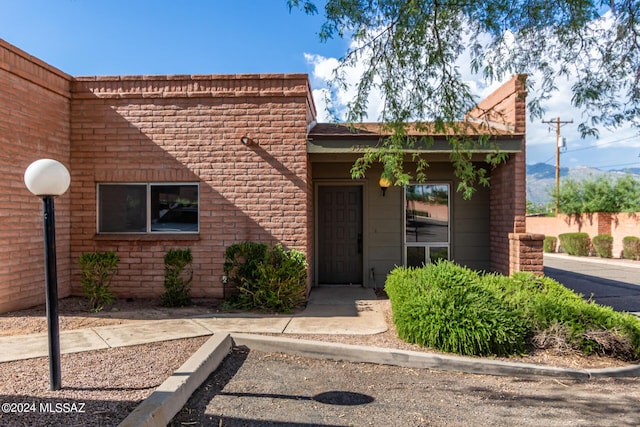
178	274
97	269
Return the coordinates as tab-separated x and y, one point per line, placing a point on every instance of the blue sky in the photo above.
113	37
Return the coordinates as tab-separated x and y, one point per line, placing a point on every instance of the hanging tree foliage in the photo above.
411	51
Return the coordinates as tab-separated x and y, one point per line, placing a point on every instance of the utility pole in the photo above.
558	124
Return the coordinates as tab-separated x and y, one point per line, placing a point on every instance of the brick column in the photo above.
603	220
525	253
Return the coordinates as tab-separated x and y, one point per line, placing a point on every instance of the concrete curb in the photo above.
169	398
415	359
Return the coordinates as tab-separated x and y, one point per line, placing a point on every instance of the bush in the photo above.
451	311
266	278
603	245
575	243
97	269
178	274
451	308
550	243
631	247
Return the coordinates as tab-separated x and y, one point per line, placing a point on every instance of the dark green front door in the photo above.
340	234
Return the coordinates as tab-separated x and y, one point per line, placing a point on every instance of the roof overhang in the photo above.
359	144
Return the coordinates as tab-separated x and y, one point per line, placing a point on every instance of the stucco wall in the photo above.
34	124
188	129
384	217
618	225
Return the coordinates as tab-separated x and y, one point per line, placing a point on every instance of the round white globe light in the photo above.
47	177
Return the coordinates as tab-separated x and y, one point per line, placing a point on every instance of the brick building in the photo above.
205	161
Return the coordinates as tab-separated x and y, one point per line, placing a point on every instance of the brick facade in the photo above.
511	248
34	123
188	129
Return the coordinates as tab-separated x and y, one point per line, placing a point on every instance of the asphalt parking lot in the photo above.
253	388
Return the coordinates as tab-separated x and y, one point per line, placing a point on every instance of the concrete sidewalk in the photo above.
330	310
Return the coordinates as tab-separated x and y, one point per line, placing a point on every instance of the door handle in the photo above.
359	243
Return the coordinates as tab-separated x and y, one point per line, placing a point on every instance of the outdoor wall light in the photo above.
384	183
47	179
246	141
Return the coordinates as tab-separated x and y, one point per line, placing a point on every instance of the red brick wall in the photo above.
511	251
34	124
188	129
505	106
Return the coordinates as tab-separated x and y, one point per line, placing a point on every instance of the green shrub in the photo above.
631	247
178	274
266	278
451	311
550	243
603	245
241	263
97	269
575	243
450	308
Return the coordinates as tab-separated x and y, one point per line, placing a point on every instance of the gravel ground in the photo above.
258	389
99	388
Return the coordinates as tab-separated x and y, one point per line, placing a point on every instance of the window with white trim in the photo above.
148	208
427	230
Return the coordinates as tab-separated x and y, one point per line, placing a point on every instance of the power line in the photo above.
600	145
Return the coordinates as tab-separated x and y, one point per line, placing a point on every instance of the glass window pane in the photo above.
415	256
174	208
427	213
122	208
438	252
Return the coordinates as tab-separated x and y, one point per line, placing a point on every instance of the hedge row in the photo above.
602	245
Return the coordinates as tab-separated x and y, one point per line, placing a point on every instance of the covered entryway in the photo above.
339	231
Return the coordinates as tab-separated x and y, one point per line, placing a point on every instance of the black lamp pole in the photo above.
51	283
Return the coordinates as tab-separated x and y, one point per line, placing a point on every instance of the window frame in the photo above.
148	213
426	245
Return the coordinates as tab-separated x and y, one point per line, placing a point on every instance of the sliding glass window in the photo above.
148	208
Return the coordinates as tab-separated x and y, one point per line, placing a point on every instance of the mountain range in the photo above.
541	178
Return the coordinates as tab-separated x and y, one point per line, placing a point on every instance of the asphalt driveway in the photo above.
615	283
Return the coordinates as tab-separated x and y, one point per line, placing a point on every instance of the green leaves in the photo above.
599	195
577	244
178	274
417	55
97	269
453	309
266	277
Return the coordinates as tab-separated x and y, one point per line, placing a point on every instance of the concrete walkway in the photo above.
330	310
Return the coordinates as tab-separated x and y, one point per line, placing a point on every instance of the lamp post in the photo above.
47	179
